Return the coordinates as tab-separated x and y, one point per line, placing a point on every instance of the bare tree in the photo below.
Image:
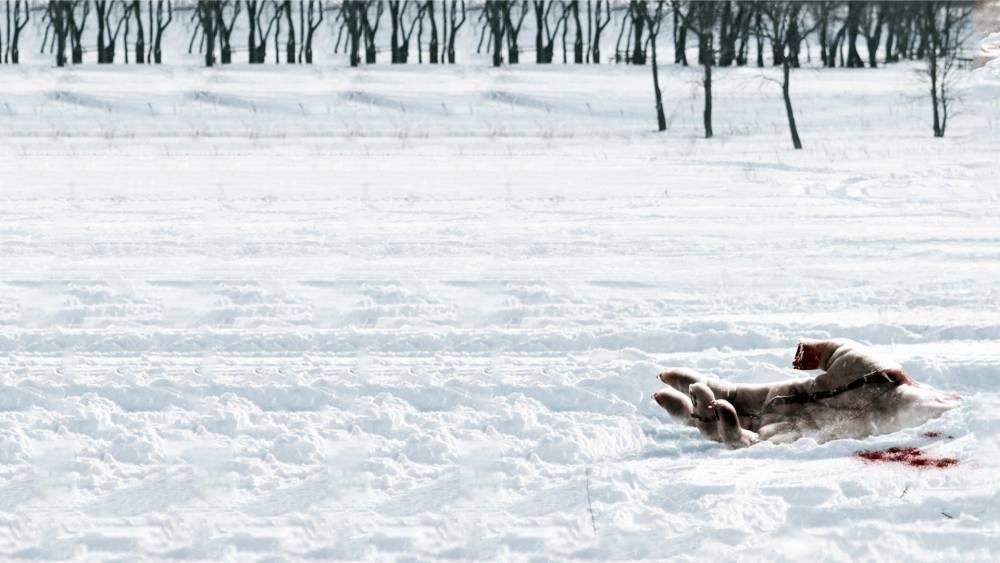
400	15
513	30
495	14
59	20
653	22
787	22
853	24
901	26
453	27
160	27
432	46
290	48
744	32
102	11
599	25
225	30
207	19
127	12
106	39
624	30
258	33
351	14
396	9
945	25
872	22
679	31
76	25
574	7
636	11
700	19
140	37
825	15
13	36
370	23
545	36
731	28
312	24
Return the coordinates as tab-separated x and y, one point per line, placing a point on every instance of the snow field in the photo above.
382	346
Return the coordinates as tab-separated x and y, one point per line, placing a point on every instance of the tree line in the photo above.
846	33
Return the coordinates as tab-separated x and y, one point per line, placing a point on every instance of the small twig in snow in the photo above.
590	505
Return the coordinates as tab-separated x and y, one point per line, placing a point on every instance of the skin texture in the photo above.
741	415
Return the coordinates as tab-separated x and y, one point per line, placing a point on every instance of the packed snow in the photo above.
385	313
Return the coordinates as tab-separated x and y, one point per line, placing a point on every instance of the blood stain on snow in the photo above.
913	457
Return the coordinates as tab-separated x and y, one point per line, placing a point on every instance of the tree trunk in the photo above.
15	54
497	29
432	45
760	39
932	68
835	48
539	29
140	37
595	48
394	37
638	54
512	31
290	46
208	28
822	39
786	74
794	37
707	115
354	29
661	119
59	28
252	35
77	48
101	7
310	30
890	39
680	40
853	19
369	31
727	38
578	40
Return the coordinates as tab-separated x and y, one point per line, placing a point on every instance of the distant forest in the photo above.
762	33
851	34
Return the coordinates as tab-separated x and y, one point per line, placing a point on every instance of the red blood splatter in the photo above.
907	456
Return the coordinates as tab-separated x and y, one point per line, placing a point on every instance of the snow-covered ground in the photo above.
380	314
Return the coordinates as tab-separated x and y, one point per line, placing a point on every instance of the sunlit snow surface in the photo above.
437	337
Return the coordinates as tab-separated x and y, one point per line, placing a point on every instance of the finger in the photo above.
732	434
682	379
748	399
701	396
678	405
704	417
